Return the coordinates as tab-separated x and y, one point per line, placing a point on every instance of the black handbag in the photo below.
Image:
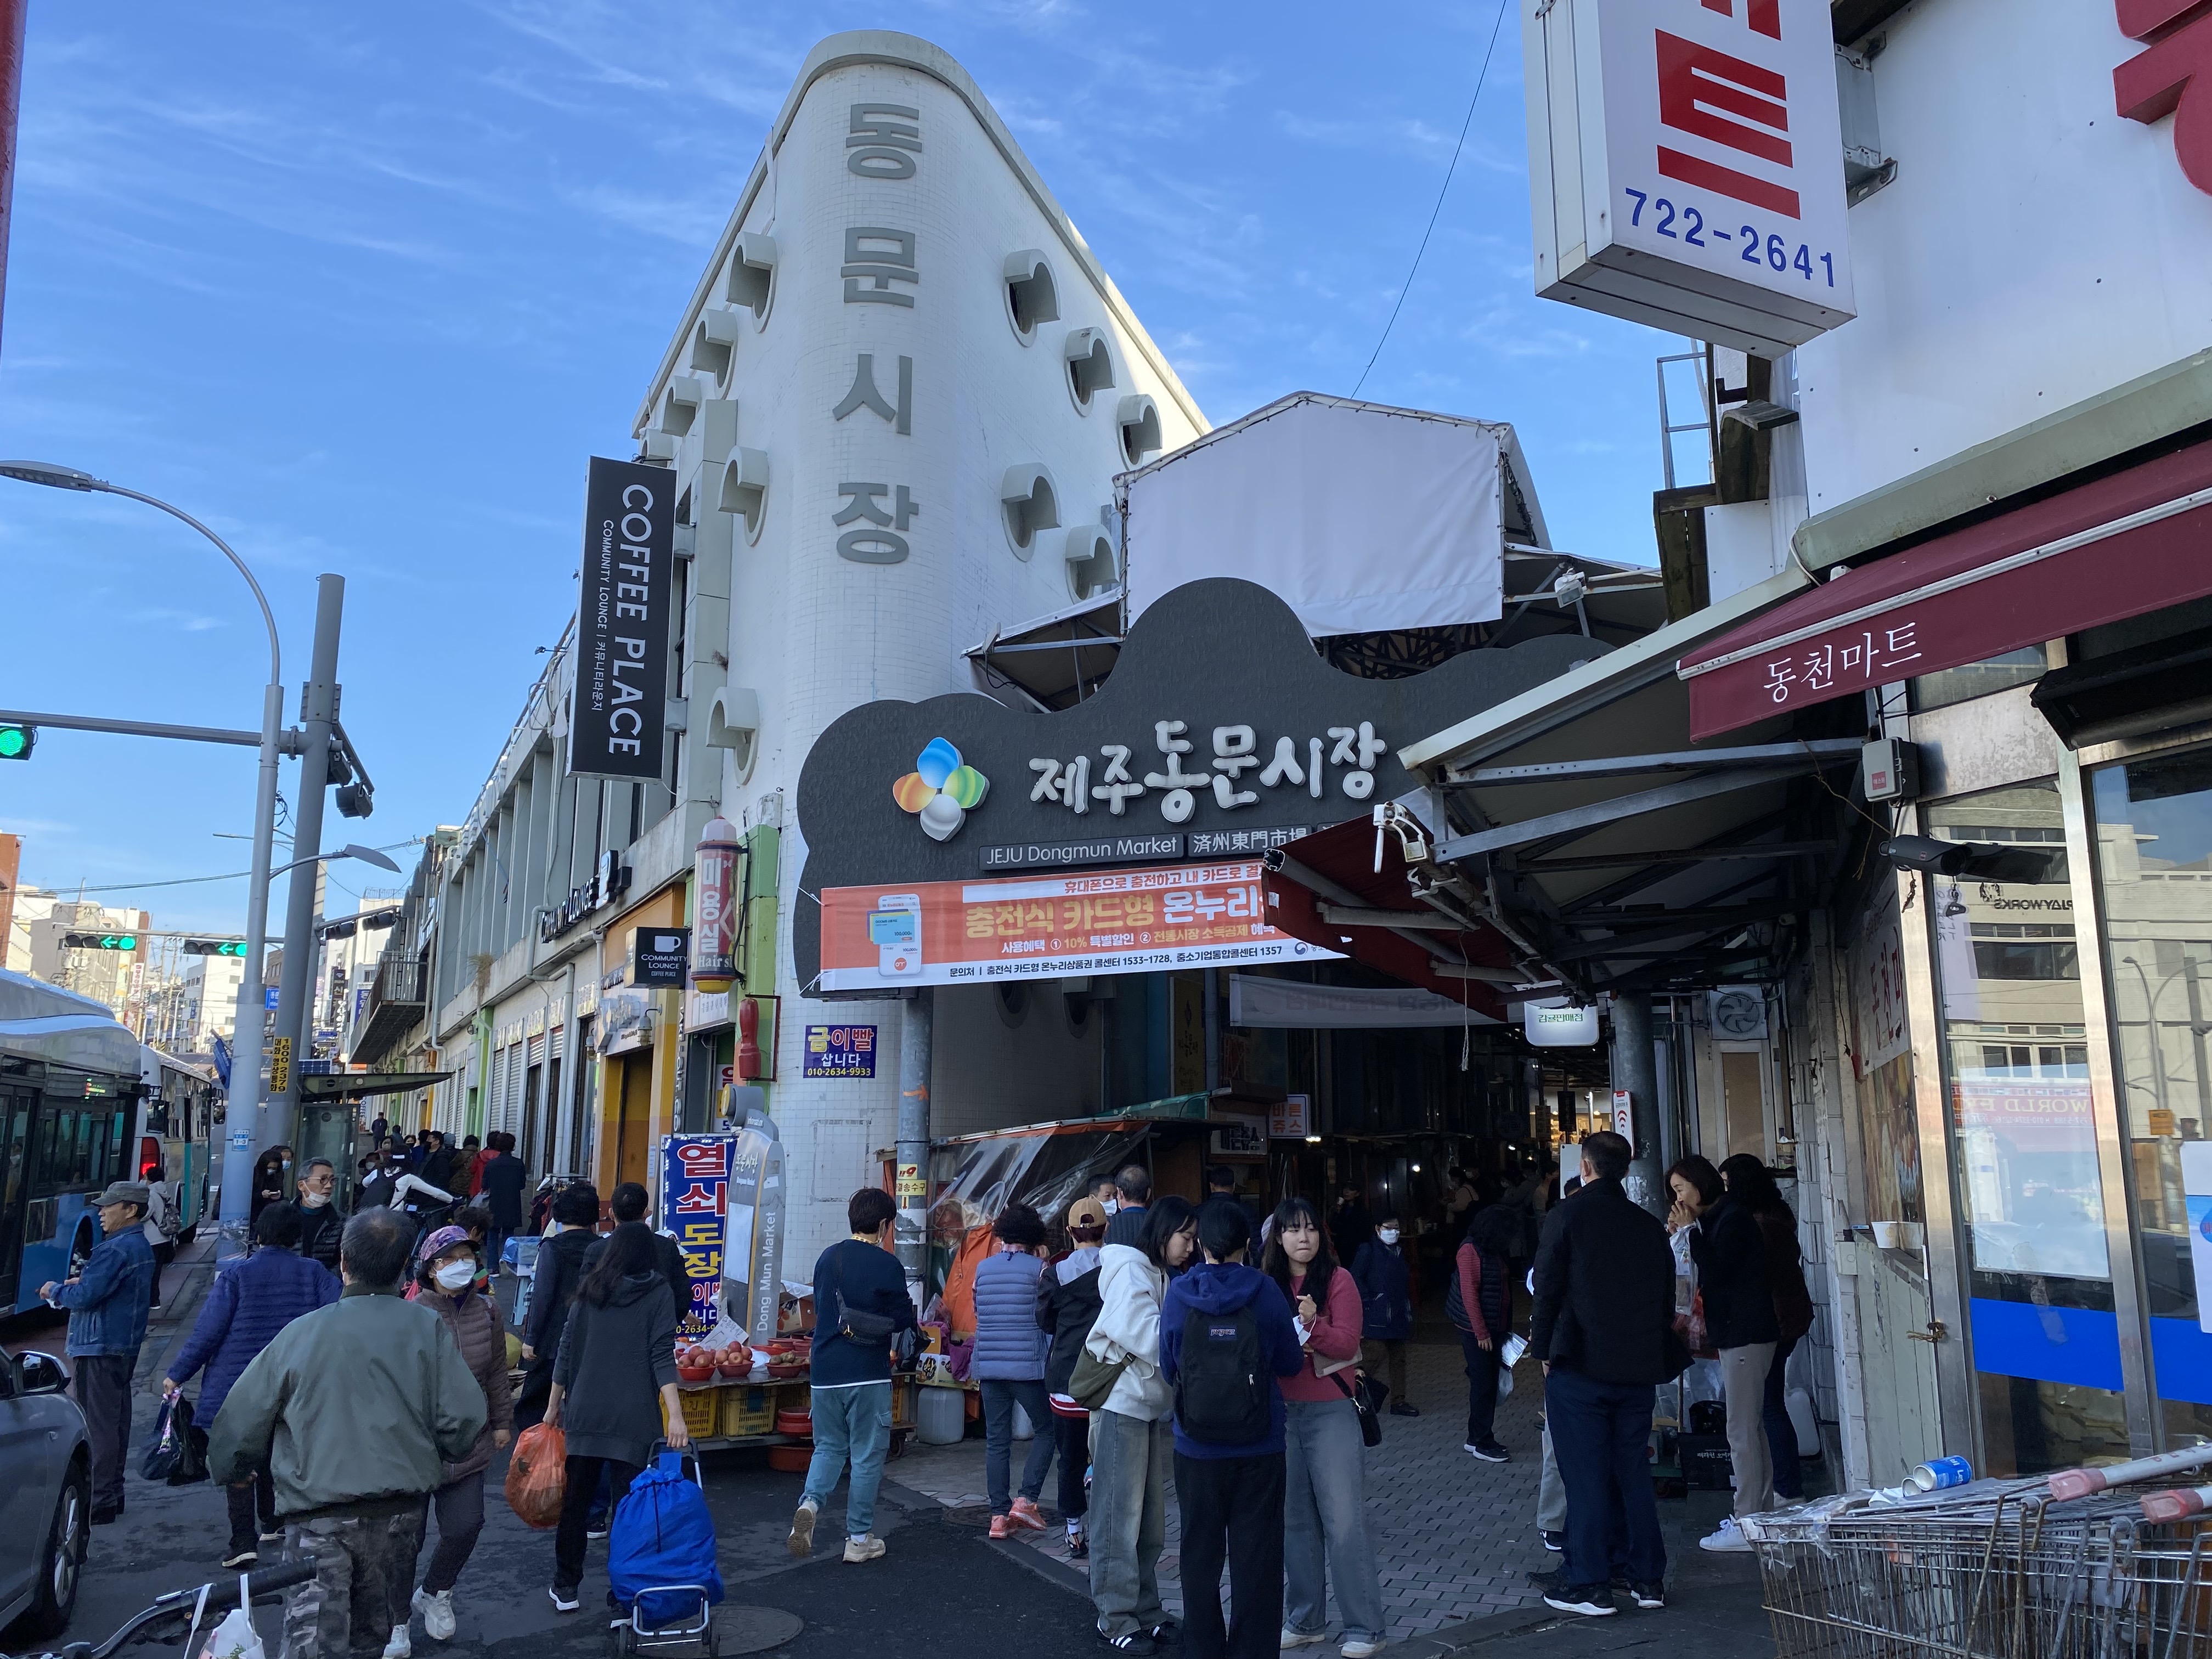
1363	1404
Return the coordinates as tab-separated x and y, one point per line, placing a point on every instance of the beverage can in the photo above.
1942	1473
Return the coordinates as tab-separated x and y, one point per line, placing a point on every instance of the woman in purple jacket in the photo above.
254	1298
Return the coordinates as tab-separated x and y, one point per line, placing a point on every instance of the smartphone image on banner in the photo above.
894	928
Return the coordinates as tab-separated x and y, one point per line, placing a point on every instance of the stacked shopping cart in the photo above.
1996	1569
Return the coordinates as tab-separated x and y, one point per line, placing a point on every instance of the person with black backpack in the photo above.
1226	1336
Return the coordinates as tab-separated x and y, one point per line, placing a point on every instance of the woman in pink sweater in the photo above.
1324	1484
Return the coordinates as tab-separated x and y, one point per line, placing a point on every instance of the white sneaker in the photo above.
1359	1647
397	1647
801	1541
868	1547
437	1611
1728	1539
1302	1638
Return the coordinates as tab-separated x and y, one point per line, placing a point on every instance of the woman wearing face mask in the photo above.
1385	1299
1132	1437
1324	1483
446	1265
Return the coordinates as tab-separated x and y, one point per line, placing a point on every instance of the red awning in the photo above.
1327	892
2138	540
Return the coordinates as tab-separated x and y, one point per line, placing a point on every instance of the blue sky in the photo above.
363	286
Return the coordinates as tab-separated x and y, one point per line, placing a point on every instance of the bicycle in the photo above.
177	1608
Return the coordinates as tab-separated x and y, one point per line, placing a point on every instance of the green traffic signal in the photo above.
16	742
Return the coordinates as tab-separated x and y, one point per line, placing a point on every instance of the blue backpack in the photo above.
662	1535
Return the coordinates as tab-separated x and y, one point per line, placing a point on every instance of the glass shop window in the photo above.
2155	875
2046	1338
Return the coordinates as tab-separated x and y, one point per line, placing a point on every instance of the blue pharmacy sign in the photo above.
695	1205
839	1051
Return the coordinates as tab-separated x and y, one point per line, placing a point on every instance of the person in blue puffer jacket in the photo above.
253	1298
1009	1364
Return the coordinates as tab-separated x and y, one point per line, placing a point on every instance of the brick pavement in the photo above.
1454	1539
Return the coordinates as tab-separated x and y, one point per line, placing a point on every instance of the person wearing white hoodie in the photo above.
1131	1437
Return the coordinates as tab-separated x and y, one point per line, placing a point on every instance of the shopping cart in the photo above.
1994	1570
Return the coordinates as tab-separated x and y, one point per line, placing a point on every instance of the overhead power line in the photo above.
1482	76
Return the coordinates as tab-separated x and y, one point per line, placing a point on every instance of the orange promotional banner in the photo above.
1104	922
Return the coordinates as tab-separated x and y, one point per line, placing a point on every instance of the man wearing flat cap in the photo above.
106	1302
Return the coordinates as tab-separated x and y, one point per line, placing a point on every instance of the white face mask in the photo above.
1388	1235
1109	1206
314	1200
455	1275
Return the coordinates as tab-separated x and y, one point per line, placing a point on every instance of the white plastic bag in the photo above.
235	1636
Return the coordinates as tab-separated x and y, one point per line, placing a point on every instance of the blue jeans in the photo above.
1781	1432
855	1422
1325	1522
1601	1435
1000	1395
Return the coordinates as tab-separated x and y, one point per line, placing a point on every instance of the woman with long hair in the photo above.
613	1380
447	1265
1730	1247
1324	1483
1478	1299
1131	1439
1752	1181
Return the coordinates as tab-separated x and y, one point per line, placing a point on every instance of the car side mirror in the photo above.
40	1373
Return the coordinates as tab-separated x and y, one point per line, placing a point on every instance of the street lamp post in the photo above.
240	1126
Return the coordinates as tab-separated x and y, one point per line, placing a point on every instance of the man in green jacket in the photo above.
354	1409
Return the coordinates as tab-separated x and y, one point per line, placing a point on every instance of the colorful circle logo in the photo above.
941	790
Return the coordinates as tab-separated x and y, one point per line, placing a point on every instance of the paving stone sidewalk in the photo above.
1454	1538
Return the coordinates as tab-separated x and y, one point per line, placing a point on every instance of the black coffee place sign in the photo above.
1218	720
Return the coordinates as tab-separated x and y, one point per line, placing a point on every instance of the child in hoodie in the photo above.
1231	1492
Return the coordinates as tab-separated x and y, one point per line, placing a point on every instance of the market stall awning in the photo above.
2137	540
347	1085
1348	888
1607	851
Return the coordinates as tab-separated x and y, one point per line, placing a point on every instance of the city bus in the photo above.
70	1086
178	1125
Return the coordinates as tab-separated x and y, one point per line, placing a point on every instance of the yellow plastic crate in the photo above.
747	1410
702	1409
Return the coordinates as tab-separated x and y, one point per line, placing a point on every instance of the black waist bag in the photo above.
1221	1379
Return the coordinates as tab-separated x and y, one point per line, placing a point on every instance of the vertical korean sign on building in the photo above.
1685	166
695	1205
621	711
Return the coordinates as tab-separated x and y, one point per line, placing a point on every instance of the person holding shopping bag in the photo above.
614	1382
1324	1480
1131	1439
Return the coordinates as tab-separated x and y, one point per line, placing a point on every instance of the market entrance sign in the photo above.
1685	166
1220	735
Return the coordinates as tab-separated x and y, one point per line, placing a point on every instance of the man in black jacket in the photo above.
321	1221
1604	1327
1135	1182
499	1176
627	1203
552	1287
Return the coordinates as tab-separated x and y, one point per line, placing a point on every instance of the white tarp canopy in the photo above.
1292	1005
1365	518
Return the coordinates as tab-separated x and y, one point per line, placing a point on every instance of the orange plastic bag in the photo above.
536	1475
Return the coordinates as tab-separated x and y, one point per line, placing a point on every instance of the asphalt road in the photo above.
938	1576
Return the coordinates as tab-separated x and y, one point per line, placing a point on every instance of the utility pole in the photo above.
1636	1069
318	714
13	14
911	1234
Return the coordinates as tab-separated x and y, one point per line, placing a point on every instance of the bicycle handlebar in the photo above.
222	1595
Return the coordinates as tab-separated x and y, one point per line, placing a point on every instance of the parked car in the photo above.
45	1468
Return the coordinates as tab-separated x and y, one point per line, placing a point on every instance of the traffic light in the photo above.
16	742
99	941
215	947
